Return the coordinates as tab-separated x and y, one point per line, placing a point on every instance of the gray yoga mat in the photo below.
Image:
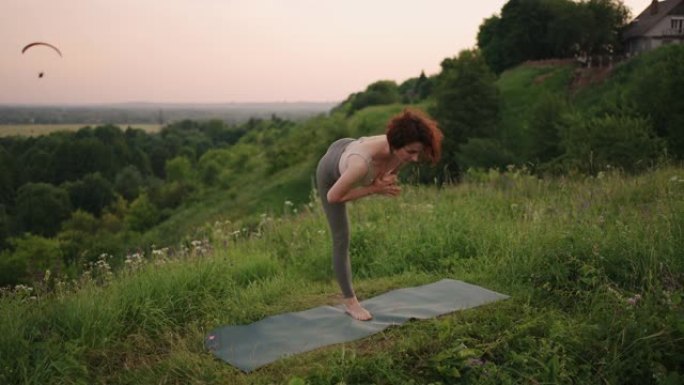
248	347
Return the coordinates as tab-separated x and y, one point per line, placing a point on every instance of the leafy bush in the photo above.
30	258
618	141
142	214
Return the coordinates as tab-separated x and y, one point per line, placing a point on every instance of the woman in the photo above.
355	168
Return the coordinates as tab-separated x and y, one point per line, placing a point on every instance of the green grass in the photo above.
522	88
44	129
571	253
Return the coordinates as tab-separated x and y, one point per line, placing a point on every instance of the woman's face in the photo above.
410	153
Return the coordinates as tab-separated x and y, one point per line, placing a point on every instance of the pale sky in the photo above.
221	51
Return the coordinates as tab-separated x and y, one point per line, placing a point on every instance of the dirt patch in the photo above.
584	77
548	62
540	79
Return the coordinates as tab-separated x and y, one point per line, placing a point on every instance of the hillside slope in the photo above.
593	267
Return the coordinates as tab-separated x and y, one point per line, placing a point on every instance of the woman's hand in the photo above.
345	190
387	185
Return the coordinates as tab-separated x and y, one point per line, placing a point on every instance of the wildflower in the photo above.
134	261
24	292
23	289
634	300
473	362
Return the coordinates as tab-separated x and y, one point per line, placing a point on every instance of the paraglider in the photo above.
40	43
23	50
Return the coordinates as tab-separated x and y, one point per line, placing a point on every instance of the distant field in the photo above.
43	129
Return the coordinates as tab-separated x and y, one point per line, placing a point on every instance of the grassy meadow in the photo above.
593	265
44	129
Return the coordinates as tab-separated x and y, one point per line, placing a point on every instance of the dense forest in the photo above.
68	199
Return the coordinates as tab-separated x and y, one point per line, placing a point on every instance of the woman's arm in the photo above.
343	190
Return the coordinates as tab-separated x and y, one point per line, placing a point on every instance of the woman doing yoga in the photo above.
355	168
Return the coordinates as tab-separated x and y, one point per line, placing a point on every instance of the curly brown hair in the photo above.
412	125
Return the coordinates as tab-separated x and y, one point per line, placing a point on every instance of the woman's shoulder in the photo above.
373	137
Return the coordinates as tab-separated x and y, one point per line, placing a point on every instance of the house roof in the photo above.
647	20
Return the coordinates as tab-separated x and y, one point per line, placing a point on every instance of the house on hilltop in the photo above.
660	23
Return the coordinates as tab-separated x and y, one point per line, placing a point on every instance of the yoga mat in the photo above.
249	347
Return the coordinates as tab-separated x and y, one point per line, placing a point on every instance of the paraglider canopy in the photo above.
38	43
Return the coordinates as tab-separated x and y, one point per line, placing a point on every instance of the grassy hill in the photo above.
257	192
593	267
523	88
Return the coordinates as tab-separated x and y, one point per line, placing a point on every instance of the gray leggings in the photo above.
327	173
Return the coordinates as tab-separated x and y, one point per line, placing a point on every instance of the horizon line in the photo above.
153	103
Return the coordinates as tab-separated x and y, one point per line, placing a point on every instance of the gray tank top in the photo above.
370	174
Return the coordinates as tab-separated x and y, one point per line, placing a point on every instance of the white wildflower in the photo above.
634	300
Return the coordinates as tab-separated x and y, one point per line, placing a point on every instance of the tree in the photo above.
6	178
158	155
180	182
142	214
76	237
517	35
484	153
601	21
4	226
543	132
657	91
212	164
36	165
415	89
32	257
129	182
92	193
379	93
122	155
545	29
621	141
491	43
12	269
466	104
76	158
34	158
179	169
41	207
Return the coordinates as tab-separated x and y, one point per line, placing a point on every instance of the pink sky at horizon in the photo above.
222	51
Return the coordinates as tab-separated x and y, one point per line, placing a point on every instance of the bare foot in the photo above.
354	309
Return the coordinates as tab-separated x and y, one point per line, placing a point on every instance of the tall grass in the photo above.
594	268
